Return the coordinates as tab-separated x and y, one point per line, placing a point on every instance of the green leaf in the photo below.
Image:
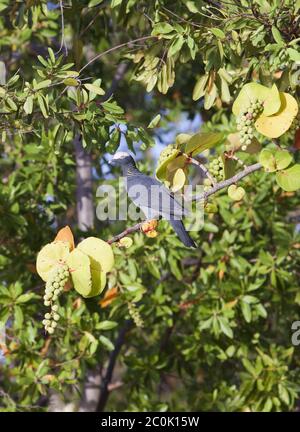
51	55
154	122
94	89
294	54
106	342
28	105
225	327
203	141
162	28
106	325
218	32
277	36
199	89
176	45
24	298
246	311
43	106
274	160
42	84
289	180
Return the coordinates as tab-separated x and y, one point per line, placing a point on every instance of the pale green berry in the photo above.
248	141
47	315
56	317
50	330
54	308
56	292
56	285
54	324
54	298
47	303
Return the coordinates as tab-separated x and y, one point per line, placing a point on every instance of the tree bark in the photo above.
84	186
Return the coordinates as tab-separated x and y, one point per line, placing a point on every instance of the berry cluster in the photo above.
135	315
246	121
54	287
166	153
207	184
216	168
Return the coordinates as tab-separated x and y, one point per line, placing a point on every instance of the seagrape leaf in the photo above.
50	256
289	179
250	92
283	158
65	235
267	159
178	180
99	250
202	141
162	167
80	270
277	124
182	138
275	160
236	193
272	103
229	167
98	278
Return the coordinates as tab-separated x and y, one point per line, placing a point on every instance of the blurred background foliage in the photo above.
199	330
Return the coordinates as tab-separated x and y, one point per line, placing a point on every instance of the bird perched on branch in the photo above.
152	197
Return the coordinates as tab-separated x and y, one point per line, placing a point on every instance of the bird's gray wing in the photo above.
147	192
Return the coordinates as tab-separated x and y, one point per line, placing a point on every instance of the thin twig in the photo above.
63	40
201	166
116	48
124	233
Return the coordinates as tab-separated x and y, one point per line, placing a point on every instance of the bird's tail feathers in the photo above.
182	233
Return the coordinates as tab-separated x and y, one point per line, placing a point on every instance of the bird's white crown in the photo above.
120	155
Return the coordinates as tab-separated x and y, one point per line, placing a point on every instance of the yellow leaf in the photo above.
50	256
277	124
178	180
80	270
99	250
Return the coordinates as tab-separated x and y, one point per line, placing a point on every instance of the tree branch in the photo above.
111	365
204	195
126	232
225	183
